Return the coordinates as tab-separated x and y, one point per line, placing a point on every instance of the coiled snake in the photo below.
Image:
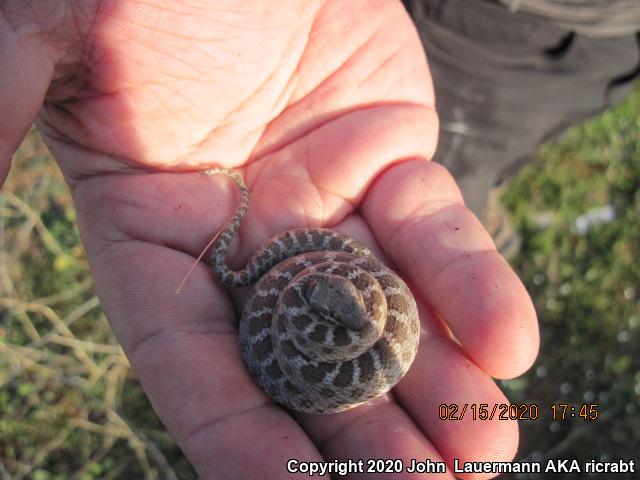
327	325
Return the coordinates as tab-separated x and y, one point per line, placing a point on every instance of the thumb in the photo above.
25	75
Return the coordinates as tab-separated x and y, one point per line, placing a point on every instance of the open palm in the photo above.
326	109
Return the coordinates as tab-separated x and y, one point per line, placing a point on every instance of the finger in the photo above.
24	79
379	430
416	213
185	347
448	397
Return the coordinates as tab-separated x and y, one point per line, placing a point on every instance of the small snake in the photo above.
327	326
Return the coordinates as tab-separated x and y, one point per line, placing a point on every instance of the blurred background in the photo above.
70	407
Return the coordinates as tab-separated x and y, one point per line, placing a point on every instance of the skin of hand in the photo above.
326	108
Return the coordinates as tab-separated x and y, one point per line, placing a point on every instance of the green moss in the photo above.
584	286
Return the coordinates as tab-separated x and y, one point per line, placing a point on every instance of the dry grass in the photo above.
70	406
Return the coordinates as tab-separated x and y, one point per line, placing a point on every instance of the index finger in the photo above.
417	215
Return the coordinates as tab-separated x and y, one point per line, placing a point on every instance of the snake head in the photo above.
337	298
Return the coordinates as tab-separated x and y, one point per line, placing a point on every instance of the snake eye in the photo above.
313	292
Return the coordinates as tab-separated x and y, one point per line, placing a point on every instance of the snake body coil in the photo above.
327	326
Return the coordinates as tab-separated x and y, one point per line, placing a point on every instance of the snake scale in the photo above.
327	326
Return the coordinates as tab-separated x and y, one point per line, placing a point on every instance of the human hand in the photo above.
326	109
